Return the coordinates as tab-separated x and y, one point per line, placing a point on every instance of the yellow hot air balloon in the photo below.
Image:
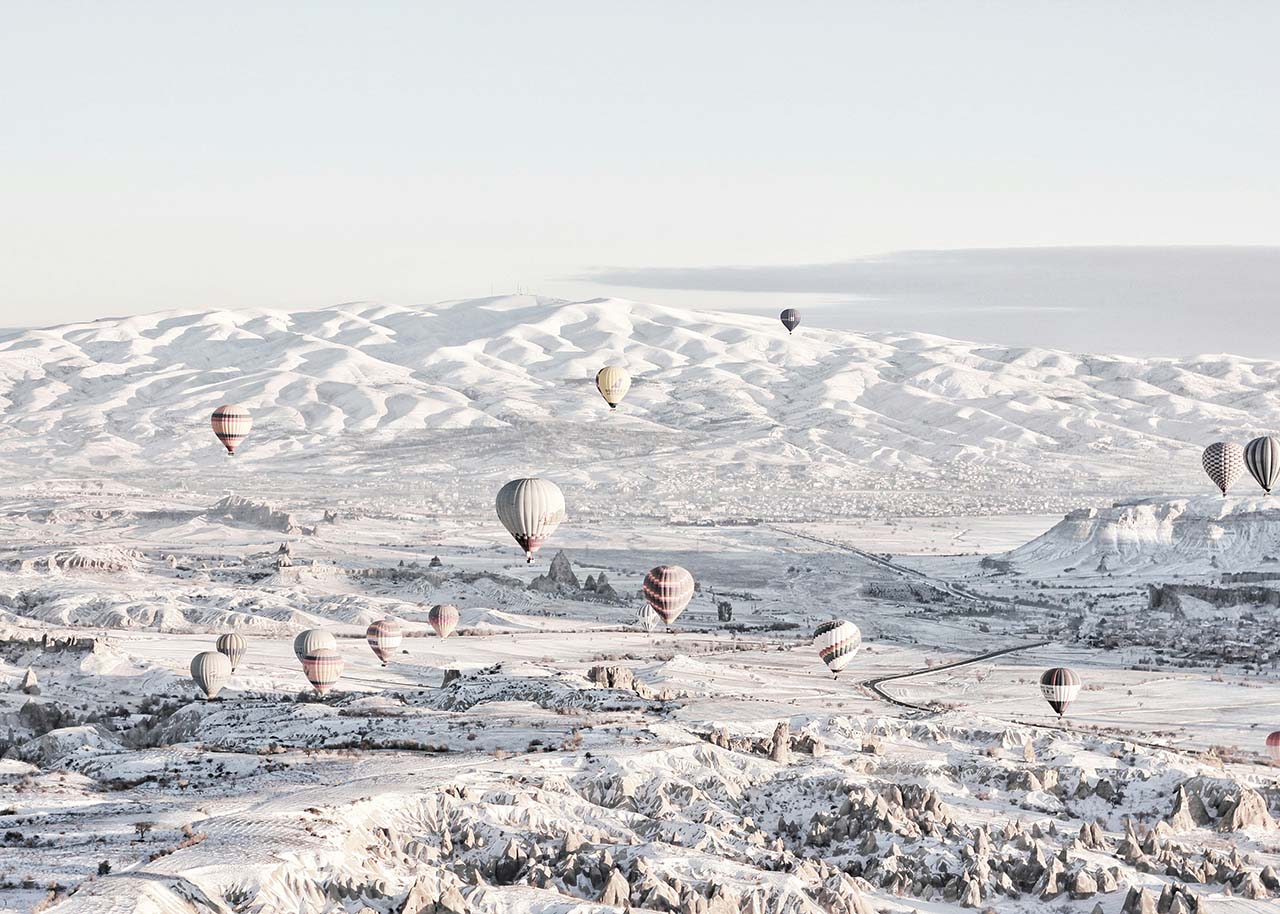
613	382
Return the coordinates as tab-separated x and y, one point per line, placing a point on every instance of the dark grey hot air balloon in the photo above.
1262	459
1059	686
790	319
1224	462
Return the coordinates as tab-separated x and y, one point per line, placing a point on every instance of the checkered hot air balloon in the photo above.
790	319
233	646
384	636
1262	459
312	640
1060	686
323	668
211	671
836	642
1224	462
613	382
443	618
531	510
668	590
231	424
1273	746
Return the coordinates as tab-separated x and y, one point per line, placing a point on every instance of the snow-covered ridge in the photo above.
136	392
1239	533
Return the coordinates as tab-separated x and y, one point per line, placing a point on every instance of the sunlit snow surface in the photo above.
911	484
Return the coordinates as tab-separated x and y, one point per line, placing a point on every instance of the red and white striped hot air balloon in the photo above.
231	424
1273	746
668	590
323	668
384	636
443	618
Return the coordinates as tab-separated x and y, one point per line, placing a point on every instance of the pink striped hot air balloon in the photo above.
668	590
1273	746
384	636
443	618
323	668
231	424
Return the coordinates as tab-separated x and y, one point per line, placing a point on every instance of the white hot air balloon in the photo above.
231	424
211	670
531	510
312	640
613	382
443	617
836	642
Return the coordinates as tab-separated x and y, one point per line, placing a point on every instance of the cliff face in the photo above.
1234	535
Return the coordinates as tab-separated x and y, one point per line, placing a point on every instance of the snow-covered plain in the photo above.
573	763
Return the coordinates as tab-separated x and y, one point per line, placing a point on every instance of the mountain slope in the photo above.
473	390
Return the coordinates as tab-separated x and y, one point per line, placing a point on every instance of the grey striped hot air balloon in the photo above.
231	424
613	382
443	617
1262	459
790	319
211	671
1059	686
323	668
836	641
531	510
384	636
234	646
668	590
1224	462
312	640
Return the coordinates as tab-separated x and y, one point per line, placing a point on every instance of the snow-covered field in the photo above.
573	762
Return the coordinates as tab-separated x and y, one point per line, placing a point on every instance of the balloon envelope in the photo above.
836	642
531	510
1224	462
211	671
790	319
443	618
1060	686
613	382
231	424
384	636
312	640
1273	746
1262	460
323	668
233	646
668	590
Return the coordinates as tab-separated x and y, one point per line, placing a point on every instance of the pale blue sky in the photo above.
157	155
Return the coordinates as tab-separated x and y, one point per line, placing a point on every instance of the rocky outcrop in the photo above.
237	509
559	577
620	677
29	684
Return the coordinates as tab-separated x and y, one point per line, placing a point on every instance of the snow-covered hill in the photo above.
1186	534
487	387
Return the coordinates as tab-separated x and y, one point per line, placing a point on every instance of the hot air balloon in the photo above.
668	590
384	636
211	671
647	619
613	382
1262	458
790	319
836	642
1224	462
323	668
233	646
231	424
443	618
1273	746
1060	686
312	640
530	509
